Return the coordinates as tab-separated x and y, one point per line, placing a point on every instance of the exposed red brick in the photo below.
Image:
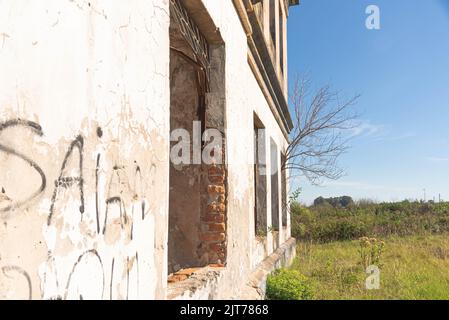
217	247
216	265
177	278
216	179
216	189
216	208
220	227
212	207
214	218
221	208
221	199
211	189
212	237
216	171
187	272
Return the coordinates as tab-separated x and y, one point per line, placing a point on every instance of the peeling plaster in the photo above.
80	194
98	71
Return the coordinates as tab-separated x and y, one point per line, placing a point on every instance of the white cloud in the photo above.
438	159
365	128
377	132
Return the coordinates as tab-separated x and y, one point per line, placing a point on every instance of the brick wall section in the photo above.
213	218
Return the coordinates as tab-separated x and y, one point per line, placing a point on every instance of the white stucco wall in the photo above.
84	145
243	98
97	70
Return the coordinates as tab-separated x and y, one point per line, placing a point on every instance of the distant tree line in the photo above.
336	202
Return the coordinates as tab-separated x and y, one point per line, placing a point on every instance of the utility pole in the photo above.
424	194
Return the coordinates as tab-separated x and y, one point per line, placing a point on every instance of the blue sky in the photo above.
402	73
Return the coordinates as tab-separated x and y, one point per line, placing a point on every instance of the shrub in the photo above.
301	218
370	251
284	284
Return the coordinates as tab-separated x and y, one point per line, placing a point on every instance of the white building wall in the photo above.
98	70
243	98
89	80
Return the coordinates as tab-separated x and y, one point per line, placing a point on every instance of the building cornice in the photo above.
262	60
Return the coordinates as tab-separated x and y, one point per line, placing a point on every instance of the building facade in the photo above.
101	197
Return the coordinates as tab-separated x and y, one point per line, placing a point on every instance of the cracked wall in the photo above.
244	98
84	127
84	147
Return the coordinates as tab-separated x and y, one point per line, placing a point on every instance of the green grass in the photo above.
325	223
415	267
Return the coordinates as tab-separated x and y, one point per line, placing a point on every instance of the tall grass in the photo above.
326	223
415	267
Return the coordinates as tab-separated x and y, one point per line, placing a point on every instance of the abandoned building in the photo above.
91	205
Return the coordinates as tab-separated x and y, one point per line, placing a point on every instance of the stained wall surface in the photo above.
84	150
84	109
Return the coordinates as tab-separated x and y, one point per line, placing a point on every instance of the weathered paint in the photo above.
90	80
83	149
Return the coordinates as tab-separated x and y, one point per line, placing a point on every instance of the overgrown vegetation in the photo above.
340	240
370	250
286	284
411	268
326	223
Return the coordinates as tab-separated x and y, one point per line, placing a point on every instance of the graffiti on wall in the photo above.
36	129
90	235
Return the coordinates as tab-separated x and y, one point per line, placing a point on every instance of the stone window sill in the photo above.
193	283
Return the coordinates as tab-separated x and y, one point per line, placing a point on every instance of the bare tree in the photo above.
322	126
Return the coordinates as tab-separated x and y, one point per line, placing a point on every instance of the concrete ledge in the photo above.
204	283
282	257
201	285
